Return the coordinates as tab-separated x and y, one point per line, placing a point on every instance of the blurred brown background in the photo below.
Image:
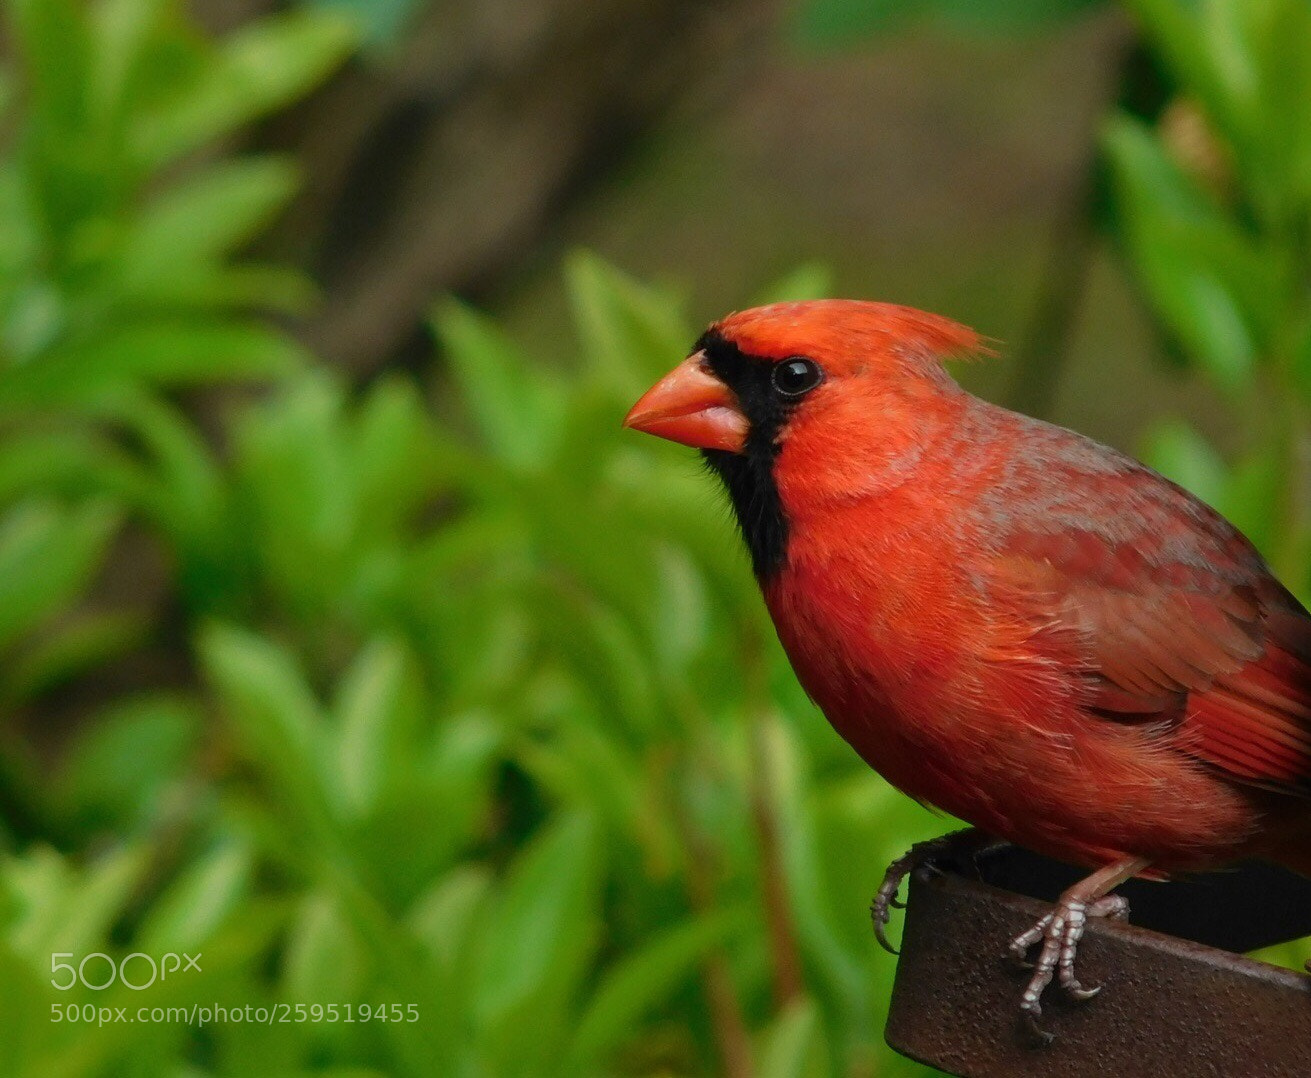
930	164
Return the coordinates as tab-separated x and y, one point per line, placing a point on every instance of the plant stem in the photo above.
788	982
726	1017
1044	348
784	951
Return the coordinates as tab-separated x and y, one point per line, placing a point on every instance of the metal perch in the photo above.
1179	999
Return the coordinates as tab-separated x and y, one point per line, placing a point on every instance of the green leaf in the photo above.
70	648
811	280
25	1012
793	1045
1209	321
296	495
442	920
200	901
324	959
36	315
1202	57
630	332
605	653
680	614
124	31
641	980
375	715
1301	362
244	287
840	22
383	21
201	219
53	906
1179	453
837	968
119	767
48	554
74	463
443	916
1281	175
184	489
21	237
275	720
460	767
1013	16
516	411
393	456
164	354
8	92
70	171
1256	486
542	925
55	41
433	806
260	68
585	764
1211	287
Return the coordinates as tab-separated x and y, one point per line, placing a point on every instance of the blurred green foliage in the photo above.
466	699
458	716
1213	215
119	285
830	22
381	23
1213	208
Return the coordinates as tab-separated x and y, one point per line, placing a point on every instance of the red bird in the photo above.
1007	620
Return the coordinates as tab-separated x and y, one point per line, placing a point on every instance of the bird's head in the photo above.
796	403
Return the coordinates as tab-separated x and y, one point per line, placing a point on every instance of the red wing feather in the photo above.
1256	722
1177	616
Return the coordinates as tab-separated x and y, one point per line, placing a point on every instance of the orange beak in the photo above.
691	406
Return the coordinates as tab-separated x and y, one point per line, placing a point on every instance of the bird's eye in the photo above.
795	377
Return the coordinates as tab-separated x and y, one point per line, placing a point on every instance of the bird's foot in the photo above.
953	847
1059	933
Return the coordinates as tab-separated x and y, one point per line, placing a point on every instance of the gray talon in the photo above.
1078	992
1042	1036
1059	933
921	855
880	917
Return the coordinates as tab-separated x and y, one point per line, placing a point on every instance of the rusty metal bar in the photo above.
1173	1004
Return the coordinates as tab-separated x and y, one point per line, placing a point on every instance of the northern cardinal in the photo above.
1007	620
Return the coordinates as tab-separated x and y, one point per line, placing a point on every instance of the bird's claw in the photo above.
1018	950
881	935
921	855
886	900
1040	1036
1059	933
